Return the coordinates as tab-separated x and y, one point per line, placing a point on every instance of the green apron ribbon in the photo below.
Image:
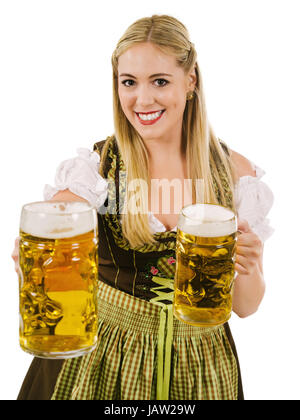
165	335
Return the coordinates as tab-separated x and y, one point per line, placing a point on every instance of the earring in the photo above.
189	96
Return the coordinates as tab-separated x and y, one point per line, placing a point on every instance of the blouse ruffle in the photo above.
253	198
80	175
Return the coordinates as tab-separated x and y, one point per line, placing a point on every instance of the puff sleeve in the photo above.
254	199
80	175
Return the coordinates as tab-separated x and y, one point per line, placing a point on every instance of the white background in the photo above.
56	96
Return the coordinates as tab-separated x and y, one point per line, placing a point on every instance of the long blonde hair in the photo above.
203	149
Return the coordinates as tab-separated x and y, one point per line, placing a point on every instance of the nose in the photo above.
144	97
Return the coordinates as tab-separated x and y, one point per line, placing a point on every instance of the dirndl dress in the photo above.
143	352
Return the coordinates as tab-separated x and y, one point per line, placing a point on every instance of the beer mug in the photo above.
205	257
58	276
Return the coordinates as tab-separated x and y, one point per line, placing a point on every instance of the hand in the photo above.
249	250
15	254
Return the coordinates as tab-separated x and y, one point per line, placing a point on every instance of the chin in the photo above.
149	135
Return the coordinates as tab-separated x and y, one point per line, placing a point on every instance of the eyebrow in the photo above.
150	77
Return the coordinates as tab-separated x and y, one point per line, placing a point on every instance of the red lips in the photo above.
149	122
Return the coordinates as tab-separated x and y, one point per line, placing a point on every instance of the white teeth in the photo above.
149	117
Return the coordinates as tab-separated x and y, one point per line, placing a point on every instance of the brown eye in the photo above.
126	81
162	82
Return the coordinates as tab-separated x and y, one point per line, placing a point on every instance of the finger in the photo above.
249	240
248	251
242	250
241	264
15	254
16	248
17	244
243	226
240	269
17	265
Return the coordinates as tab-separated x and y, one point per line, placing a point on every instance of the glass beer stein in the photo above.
58	277
205	257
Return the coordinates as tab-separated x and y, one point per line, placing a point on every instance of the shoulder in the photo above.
242	165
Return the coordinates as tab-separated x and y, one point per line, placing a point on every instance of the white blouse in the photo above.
253	198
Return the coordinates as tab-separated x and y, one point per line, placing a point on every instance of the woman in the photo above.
161	132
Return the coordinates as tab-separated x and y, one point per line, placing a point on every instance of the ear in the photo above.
192	80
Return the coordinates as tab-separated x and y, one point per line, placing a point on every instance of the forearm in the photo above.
66	195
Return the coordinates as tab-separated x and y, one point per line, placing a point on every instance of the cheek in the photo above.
176	104
126	101
122	99
125	104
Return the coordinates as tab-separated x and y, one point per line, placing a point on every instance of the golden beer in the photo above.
205	257
58	276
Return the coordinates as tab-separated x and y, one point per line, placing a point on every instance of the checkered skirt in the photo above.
124	365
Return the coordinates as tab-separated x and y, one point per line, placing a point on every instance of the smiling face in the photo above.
152	91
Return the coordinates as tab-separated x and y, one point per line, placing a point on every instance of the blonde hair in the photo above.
203	149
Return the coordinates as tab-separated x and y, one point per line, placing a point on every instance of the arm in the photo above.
66	195
81	173
249	285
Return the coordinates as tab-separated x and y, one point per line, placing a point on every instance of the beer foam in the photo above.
207	220
57	219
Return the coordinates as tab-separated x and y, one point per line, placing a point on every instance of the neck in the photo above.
166	161
160	150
